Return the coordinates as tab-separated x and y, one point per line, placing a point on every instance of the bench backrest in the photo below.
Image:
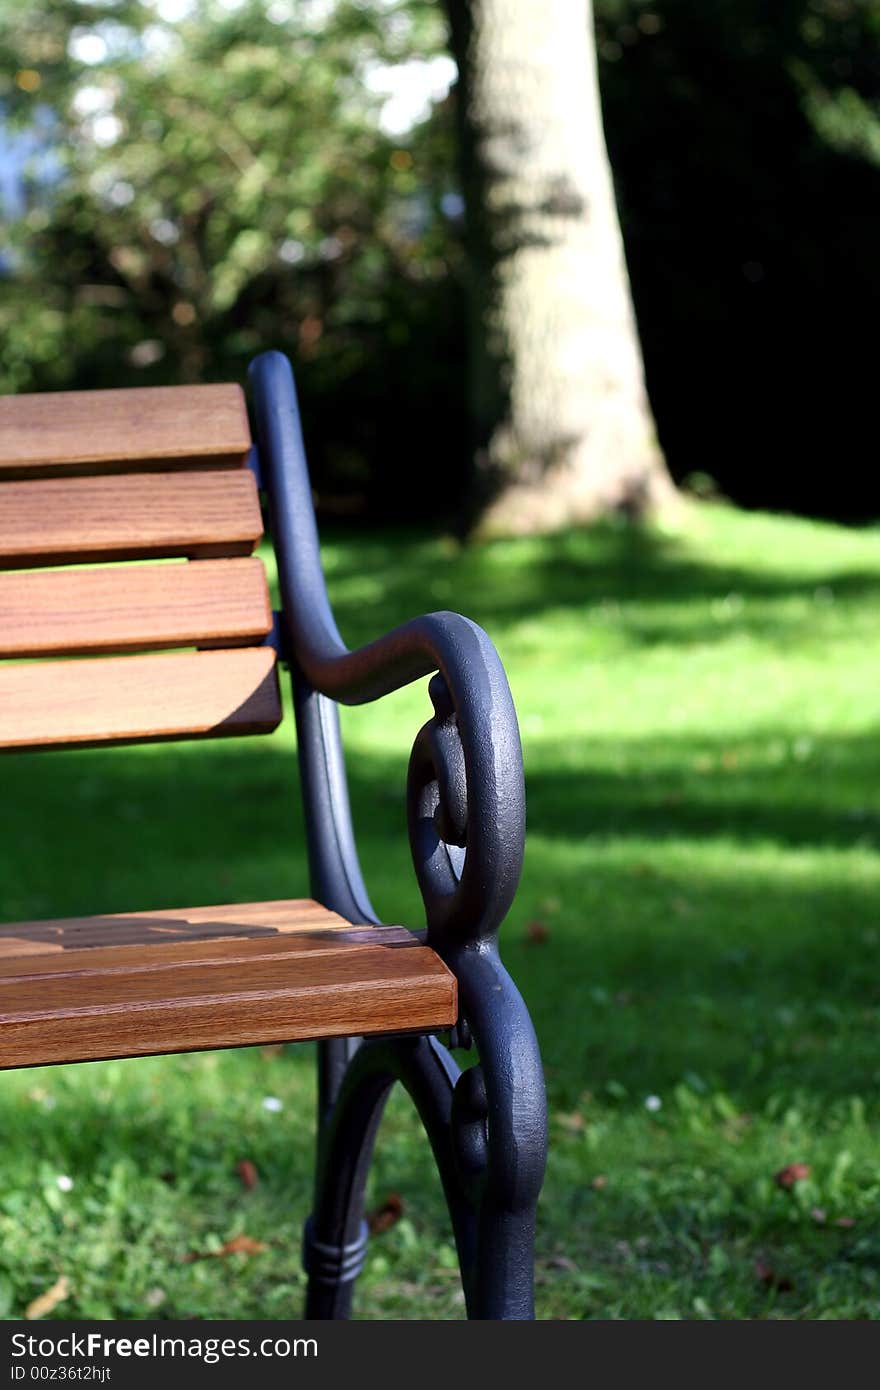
93	478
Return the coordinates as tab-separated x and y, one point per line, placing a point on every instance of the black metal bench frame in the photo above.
466	816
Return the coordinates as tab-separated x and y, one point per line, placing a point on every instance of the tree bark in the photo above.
564	431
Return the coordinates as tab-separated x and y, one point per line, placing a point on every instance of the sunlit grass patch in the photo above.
698	926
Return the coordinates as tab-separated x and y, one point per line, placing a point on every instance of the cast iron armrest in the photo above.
465	794
466	814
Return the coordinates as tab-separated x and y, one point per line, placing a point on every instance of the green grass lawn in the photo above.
701	720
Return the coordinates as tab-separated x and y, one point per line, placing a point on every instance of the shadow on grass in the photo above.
770	787
672	945
501	583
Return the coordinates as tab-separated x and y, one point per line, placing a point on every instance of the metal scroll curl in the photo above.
437	814
466	867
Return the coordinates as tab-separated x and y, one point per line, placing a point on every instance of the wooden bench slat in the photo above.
208	514
169	925
106	431
310	975
135	699
132	956
206	603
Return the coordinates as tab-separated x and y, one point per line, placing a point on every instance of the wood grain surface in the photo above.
135	699
208	514
307	974
120	608
107	431
168	925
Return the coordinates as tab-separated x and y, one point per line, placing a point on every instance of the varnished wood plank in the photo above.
207	603
207	514
169	926
112	956
135	699
107	431
135	1001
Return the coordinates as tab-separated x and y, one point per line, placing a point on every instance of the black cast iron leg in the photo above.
334	1243
487	1129
335	1237
499	1124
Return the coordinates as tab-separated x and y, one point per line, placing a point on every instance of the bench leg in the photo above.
487	1129
335	1236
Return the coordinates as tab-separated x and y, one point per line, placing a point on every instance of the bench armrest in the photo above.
465	796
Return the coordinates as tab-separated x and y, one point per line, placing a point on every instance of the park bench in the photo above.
99	651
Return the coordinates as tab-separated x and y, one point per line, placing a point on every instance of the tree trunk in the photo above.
564	431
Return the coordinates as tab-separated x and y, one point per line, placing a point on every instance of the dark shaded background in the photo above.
752	242
745	144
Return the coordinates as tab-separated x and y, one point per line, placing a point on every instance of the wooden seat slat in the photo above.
308	974
135	699
208	603
117	431
188	924
56	521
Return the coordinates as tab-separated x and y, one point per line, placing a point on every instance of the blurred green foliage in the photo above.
222	183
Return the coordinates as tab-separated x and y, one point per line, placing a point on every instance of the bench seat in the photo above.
129	985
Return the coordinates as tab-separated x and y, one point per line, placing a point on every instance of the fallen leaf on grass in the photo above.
771	1280
248	1173
537	933
562	1262
243	1245
598	1182
819	1215
573	1123
792	1173
49	1300
846	1222
237	1245
387	1215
